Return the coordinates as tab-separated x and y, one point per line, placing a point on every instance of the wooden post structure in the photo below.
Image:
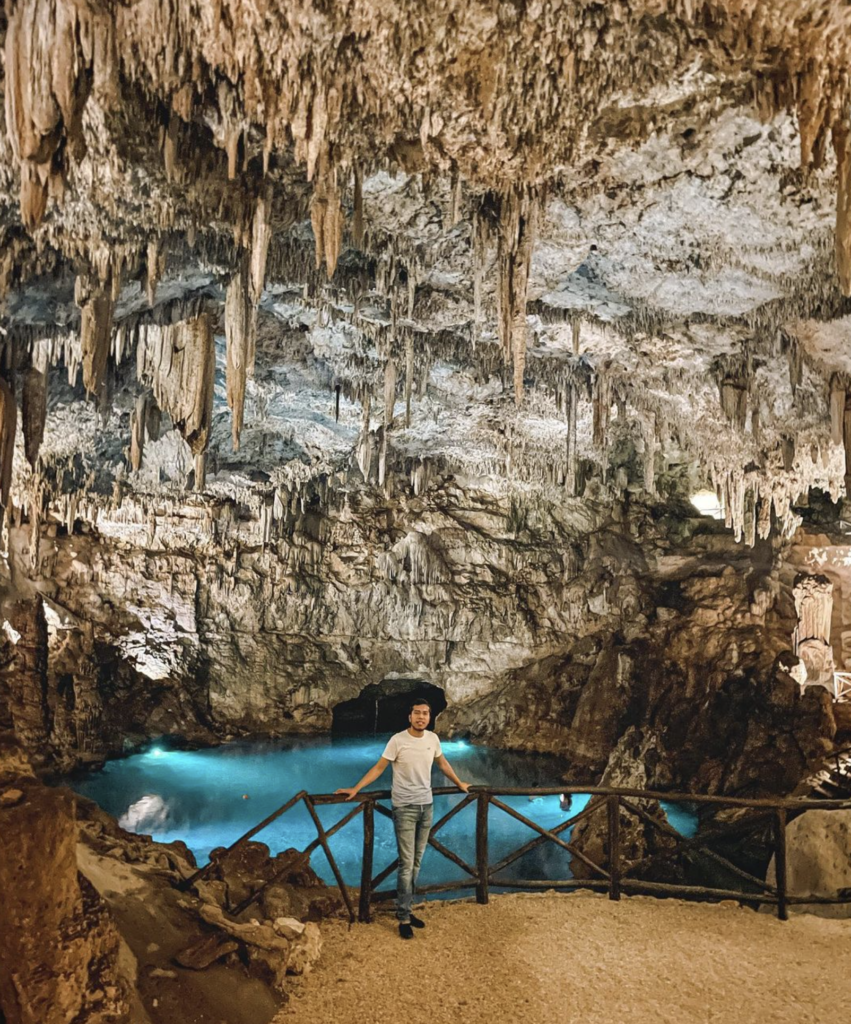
482	848
203	872
613	811
323	839
364	910
780	862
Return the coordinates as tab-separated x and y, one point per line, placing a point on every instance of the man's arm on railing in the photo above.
447	770
370	776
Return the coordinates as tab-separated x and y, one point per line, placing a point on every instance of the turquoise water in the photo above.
209	798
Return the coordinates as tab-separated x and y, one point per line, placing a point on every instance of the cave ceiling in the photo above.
254	251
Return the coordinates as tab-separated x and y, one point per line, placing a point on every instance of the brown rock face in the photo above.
58	946
629	767
25	675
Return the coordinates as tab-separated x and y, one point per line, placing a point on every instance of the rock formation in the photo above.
346	346
818	844
349	345
59	949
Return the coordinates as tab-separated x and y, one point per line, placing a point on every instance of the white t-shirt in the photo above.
412	758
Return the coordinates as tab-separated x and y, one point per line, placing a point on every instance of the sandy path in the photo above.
551	959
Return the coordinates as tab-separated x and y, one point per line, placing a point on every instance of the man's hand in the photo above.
464	786
350	793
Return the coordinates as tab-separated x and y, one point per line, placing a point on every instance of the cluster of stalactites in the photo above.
243	70
513	217
178	363
56	53
95	294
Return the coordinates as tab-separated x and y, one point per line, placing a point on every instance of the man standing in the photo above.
412	753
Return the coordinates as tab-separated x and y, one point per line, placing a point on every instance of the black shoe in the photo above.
416	922
406	931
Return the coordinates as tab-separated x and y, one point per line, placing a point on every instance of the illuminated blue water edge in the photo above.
209	798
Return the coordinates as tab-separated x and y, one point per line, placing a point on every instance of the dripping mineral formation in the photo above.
349	347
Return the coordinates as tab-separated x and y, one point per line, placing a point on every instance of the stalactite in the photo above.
734	402
570	478
240	335
138	421
152	421
170	146
179	362
409	375
812	109
846	440
363	448
382	456
480	240
200	471
357	210
756	423
95	299
326	218
456	197
154	269
602	405
46	88
837	414
389	392
261	234
841	135
517	222
764	519
33	412
749	513
8	425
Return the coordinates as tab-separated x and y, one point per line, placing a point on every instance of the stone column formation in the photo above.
814	606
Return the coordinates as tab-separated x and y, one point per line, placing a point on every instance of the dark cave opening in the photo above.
383	707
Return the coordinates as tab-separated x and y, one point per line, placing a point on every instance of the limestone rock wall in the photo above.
555	630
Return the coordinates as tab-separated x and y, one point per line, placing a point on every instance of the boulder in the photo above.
255	933
818	860
205	951
305	950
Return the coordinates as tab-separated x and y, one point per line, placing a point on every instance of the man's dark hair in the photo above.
417	702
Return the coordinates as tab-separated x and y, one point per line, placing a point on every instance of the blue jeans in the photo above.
413	824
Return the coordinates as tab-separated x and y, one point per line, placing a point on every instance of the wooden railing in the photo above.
613	875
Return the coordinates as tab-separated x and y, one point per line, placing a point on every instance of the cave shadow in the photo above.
383	707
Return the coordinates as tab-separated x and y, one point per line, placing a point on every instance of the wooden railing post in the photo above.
482	847
364	911
323	839
780	861
613	811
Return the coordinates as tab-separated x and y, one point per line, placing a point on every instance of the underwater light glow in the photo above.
199	796
447	746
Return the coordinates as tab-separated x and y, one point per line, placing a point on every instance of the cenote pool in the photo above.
209	798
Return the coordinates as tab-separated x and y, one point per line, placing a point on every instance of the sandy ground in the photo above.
558	959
